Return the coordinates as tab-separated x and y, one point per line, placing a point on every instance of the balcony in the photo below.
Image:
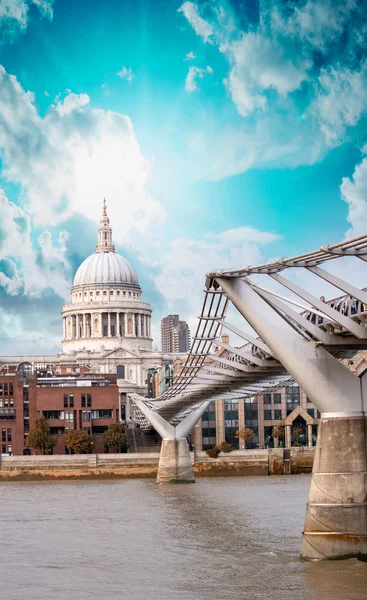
7	414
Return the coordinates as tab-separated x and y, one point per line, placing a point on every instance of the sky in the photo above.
221	133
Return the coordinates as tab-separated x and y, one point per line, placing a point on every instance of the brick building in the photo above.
79	401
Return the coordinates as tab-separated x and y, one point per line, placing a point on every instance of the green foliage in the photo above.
225	447
213	452
115	437
39	437
245	434
79	441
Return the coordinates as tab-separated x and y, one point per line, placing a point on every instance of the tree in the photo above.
79	441
39	437
213	452
245	434
278	432
225	447
296	435
115	437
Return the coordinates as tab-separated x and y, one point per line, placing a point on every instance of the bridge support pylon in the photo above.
336	517
175	465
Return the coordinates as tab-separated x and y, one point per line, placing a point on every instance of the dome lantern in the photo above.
105	232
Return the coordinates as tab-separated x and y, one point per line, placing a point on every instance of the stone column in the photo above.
109	324
309	435
288	436
63	328
149	331
139	324
84	325
336	514
241	420
175	462
134	317
117	324
77	326
219	421
125	324
143	325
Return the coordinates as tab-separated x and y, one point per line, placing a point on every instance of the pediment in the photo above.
294	414
120	353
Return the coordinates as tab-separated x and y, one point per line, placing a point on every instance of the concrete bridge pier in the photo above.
175	464
336	515
336	519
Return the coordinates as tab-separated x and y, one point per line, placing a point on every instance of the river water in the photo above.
220	539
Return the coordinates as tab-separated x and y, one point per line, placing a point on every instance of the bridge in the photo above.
289	335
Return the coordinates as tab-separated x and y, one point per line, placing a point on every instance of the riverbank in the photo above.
144	465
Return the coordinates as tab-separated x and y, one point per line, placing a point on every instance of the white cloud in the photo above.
41	266
260	64
317	24
199	25
184	266
126	73
341	100
14	14
190	56
194	74
73	157
354	192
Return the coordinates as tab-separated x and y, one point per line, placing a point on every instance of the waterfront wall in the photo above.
238	462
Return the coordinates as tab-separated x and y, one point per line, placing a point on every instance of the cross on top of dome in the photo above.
105	232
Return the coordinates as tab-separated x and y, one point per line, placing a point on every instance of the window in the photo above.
309	401
104	293
3	435
83	401
118	293
68	369
99	429
311	412
9	435
277	398
91	293
65	400
102	414
267	415
3	449
71	400
10	389
52	414
89	400
69	416
10	450
5	389
267	398
97	293
318	414
86	416
1	389
277	415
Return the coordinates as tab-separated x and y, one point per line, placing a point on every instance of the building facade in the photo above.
106	326
175	335
82	401
288	408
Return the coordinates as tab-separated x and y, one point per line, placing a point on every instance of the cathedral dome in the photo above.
105	268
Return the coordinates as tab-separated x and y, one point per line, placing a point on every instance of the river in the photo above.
220	539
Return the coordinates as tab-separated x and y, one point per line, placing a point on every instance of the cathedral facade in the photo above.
106	326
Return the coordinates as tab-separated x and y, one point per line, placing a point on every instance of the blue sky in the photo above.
221	133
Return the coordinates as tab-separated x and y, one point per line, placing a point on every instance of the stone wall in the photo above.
237	462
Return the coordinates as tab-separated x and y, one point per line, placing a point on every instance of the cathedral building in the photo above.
106	326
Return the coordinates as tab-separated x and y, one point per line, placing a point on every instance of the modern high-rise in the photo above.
175	334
